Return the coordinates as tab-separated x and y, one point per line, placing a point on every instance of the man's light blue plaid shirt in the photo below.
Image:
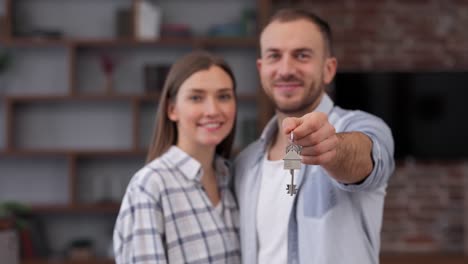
166	217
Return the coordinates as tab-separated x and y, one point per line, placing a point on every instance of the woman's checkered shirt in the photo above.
166	217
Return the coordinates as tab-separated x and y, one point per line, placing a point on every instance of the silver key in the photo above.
292	161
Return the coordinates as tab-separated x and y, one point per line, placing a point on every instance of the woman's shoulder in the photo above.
151	177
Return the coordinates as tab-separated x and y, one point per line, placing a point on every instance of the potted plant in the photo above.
31	235
11	225
14	213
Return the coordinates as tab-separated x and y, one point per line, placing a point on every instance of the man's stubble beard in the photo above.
306	105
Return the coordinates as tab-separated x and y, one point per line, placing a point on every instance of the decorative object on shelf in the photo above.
108	64
81	249
14	211
31	241
41	33
124	23
24	26
6	222
155	76
9	251
245	25
176	30
148	20
9	242
108	189
233	29
249	21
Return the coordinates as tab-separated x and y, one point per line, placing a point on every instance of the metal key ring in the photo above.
294	146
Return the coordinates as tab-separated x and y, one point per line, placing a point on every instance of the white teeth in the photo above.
212	125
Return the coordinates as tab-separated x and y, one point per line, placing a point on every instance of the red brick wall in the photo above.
424	208
398	34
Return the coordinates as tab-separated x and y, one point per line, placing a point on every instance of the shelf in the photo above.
196	42
64	261
31	153
426	258
77	208
99	97
171	41
82	97
247	42
87	153
34	42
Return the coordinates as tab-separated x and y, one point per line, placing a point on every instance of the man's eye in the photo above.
272	56
302	56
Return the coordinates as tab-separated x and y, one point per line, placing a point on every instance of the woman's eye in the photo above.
195	98
225	97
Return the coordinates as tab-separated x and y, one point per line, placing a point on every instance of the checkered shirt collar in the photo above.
191	168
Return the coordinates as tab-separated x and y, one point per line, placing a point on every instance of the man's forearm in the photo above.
353	160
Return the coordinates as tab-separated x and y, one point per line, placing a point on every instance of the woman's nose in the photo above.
211	106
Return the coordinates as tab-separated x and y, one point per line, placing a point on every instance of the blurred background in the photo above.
79	85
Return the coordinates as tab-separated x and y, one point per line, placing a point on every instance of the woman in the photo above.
179	207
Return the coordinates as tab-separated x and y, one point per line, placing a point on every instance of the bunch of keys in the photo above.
292	161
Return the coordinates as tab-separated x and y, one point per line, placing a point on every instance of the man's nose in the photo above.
286	67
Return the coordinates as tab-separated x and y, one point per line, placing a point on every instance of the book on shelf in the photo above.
26	244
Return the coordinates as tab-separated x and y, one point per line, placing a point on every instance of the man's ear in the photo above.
259	64
172	112
329	70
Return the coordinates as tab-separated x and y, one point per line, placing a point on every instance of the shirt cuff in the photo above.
370	181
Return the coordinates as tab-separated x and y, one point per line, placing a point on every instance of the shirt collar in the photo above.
191	168
326	105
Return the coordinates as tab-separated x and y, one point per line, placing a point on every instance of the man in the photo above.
347	158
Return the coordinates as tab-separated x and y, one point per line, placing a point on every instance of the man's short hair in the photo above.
293	14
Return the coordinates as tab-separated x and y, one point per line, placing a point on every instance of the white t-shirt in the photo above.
273	209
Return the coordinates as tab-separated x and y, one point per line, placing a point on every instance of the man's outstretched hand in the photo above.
316	136
345	156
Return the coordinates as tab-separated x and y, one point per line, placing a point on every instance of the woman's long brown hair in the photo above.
165	131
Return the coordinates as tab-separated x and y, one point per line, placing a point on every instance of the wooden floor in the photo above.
423	259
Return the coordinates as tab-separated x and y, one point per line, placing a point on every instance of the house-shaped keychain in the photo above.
292	161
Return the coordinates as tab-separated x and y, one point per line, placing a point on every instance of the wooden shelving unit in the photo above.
423	258
193	42
65	152
100	208
60	261
99	97
77	163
